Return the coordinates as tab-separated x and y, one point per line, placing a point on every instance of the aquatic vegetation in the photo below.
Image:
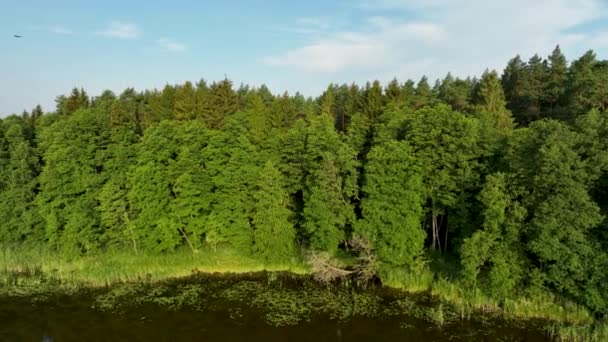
279	298
578	333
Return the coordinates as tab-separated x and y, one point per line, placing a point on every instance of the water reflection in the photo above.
253	309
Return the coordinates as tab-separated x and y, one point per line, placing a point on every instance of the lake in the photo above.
254	307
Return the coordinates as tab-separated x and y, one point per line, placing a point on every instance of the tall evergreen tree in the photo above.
555	85
274	235
185	102
71	179
223	102
18	170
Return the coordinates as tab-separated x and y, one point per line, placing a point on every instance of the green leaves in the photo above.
391	209
274	235
192	165
329	184
71	180
18	171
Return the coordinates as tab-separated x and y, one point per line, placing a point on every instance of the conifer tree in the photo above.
71	179
222	103
274	234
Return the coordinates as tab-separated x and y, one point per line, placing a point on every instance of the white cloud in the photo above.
171	45
462	36
350	49
121	31
330	56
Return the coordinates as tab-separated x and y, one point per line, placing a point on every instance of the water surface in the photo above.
246	308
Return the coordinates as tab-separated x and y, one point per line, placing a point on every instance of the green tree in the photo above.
71	179
274	235
445	144
78	99
222	102
233	165
282	111
374	100
171	190
494	253
391	208
19	166
555	85
491	103
424	94
117	159
393	91
330	183
185	102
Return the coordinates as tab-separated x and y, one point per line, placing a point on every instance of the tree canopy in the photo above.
504	178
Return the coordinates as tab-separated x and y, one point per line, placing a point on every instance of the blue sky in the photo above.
288	45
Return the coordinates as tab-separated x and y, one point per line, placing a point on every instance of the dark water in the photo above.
254	308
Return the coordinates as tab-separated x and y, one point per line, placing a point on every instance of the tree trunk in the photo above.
128	224
438	233
445	245
433	227
187	240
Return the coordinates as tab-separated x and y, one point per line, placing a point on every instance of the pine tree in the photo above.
282	111
374	100
18	170
222	102
274	234
71	179
78	99
185	102
423	95
393	91
555	85
328	102
330	181
491	102
259	120
326	211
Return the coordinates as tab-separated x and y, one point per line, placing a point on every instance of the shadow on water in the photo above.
252	307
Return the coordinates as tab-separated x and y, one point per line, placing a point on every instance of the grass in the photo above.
564	320
21	269
467	301
114	267
578	333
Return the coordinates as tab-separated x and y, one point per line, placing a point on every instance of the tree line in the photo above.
504	176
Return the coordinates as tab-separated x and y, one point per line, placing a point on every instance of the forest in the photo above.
500	182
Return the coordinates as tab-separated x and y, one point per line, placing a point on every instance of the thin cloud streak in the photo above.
437	36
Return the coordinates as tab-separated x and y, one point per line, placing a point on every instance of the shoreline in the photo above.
26	272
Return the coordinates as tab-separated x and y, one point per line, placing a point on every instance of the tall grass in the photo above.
112	267
466	301
26	269
578	333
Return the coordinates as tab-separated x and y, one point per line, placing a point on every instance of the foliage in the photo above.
503	178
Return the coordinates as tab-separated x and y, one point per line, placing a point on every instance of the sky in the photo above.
287	45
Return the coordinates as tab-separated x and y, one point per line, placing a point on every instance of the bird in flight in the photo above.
16	36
